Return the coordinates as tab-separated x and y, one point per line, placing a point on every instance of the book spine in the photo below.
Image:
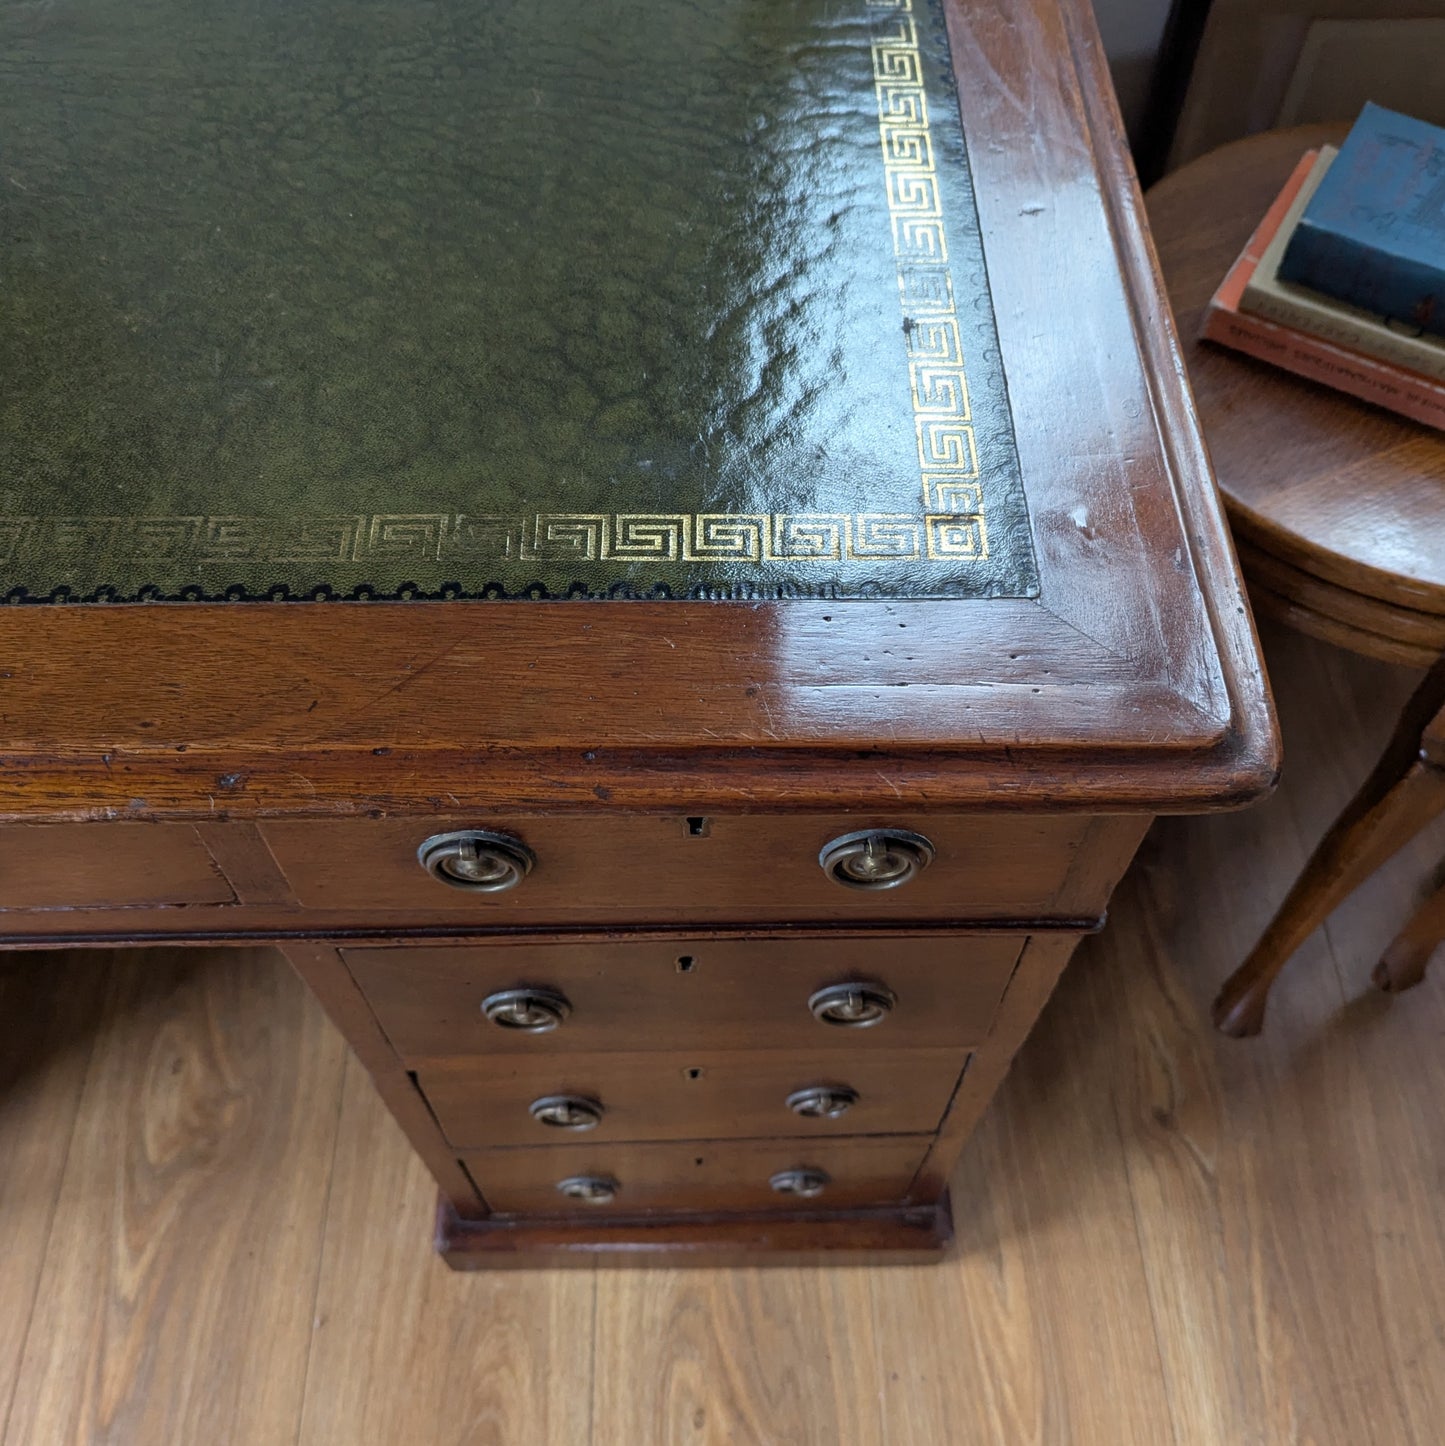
1339	266
1345	330
1411	396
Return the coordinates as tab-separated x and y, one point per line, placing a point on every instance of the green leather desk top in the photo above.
495	298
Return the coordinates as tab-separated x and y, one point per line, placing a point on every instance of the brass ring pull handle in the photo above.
823	1102
477	859
567	1112
804	1183
853	1005
876	858
532	1011
590	1189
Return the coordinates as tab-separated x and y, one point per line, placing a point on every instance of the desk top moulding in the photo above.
497	300
729	407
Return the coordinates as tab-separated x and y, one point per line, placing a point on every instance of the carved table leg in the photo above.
1399	798
1402	966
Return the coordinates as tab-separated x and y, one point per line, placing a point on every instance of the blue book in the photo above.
1374	233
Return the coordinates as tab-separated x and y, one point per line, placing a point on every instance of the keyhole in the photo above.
693	1072
686	963
697	826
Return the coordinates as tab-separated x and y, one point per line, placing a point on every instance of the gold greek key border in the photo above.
947	450
555	537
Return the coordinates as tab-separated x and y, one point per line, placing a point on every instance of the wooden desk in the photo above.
670	780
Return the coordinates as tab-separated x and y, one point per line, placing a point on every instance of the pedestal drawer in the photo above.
671	994
704	1175
589	1098
665	869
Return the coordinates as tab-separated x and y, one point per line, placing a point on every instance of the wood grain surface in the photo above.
190	1210
361	879
52	1009
628	995
490	1359
706	1094
700	1175
1166	1238
75	866
1353	609
1329	628
876	1235
1278	1164
641	869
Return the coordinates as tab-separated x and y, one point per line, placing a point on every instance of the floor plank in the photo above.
716	1357
179	1275
407	1351
56	1000
1234	1155
1393	1048
1033	1331
1253	1163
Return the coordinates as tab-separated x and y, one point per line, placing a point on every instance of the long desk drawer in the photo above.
640	870
842	992
702	1094
625	1179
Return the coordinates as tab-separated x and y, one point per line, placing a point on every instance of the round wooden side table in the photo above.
1338	511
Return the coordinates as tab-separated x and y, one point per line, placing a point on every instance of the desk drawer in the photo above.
672	994
705	1175
590	1098
654	870
107	865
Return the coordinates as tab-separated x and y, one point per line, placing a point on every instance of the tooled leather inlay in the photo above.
495	298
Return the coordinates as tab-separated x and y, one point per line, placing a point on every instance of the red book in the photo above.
1409	393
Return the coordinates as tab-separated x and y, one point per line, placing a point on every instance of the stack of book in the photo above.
1343	280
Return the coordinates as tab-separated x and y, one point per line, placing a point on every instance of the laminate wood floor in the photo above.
214	1234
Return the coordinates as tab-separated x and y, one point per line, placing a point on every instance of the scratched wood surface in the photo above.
215	1233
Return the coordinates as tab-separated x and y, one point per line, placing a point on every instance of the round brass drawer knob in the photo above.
852	1006
590	1189
823	1102
567	1112
533	1011
476	859
804	1183
876	858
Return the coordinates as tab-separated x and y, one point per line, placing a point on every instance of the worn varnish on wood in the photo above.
676	766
